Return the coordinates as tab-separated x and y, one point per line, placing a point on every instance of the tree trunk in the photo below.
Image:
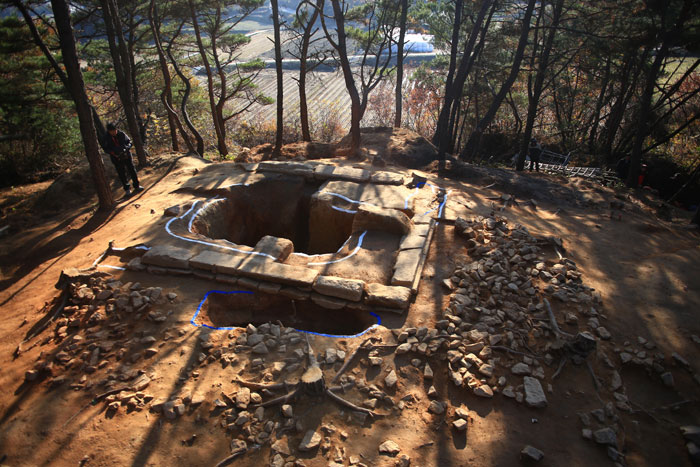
166	95
122	71
470	147
399	64
185	96
642	126
356	106
447	117
534	99
61	15
303	70
280	79
99	126
220	138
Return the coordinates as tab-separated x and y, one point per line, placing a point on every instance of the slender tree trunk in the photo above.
220	138
599	107
166	94
470	147
99	126
61	15
642	126
280	79
399	64
303	70
538	87
447	117
355	102
122	71
185	96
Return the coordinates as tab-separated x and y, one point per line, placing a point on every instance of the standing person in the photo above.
623	167
118	146
535	150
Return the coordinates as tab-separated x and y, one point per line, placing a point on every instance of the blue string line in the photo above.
231	328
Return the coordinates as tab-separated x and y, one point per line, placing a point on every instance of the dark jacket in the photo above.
116	145
535	150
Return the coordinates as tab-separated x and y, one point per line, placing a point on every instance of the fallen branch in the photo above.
231	458
259	386
553	321
349	404
349	360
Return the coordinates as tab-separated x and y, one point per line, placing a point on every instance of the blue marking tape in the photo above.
231	328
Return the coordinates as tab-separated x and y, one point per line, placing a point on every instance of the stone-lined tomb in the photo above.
338	237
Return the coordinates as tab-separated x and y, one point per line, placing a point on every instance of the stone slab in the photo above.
280	248
168	256
328	302
350	174
226	279
388	296
247	283
405	268
294	293
260	268
387	196
384	219
206	275
423	258
422	219
422	230
209	260
411	241
386	178
290	168
348	289
269	287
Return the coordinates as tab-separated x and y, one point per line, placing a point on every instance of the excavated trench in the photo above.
241	309
278	206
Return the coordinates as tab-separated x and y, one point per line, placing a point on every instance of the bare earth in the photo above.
647	272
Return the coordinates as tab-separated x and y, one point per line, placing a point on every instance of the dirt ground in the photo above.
647	272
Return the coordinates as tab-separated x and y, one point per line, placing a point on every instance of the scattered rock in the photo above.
389	448
534	395
530	453
460	424
310	441
484	391
605	436
520	369
391	379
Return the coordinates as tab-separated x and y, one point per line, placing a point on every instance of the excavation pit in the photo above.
224	310
279	206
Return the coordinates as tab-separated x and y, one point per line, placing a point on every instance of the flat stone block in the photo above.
388	296
411	241
294	293
280	248
209	259
405	268
168	256
250	284
350	174
260	268
421	230
290	168
386	178
348	289
384	219
421	219
328	302
386	196
206	275
269	287
226	279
